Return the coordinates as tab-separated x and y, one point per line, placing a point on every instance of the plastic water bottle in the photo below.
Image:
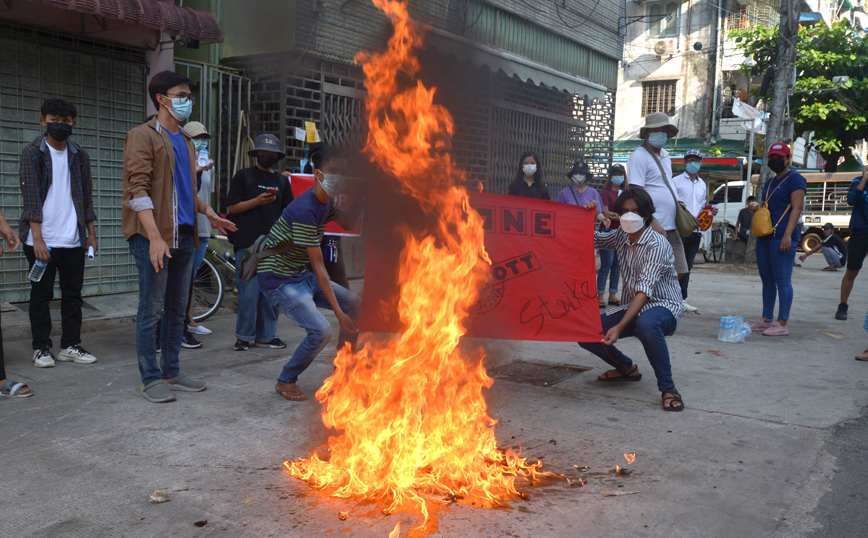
204	160
38	269
723	329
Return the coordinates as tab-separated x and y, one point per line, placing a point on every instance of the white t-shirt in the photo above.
205	192
643	172
59	219
692	193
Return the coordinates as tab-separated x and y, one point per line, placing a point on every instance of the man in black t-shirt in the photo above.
833	247
257	197
745	219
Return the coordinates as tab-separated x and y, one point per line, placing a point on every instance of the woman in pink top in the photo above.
609	268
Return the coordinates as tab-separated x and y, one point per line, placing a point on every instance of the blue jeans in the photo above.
199	254
651	328
299	301
257	315
161	294
776	271
608	265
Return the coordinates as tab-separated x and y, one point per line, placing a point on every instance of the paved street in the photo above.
755	453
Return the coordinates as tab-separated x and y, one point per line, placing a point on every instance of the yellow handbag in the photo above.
762	219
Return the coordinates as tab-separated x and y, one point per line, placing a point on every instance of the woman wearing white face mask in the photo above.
609	268
529	178
652	297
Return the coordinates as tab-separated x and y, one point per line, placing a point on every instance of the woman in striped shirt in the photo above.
651	299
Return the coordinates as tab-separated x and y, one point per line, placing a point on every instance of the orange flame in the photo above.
412	419
630	458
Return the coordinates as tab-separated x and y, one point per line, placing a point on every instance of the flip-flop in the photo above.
293	395
604	377
674	396
12	389
615	303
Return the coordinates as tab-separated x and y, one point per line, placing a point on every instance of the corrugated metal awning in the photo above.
513	64
152	14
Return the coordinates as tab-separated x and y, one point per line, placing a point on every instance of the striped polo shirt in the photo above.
647	266
303	222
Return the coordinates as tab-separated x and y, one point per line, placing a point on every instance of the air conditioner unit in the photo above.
664	47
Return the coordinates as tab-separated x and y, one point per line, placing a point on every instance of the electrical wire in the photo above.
587	17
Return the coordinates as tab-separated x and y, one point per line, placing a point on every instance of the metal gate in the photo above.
343	117
107	86
221	94
557	140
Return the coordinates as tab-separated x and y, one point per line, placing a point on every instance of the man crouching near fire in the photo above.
652	303
296	290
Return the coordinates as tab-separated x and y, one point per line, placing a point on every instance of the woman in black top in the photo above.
529	178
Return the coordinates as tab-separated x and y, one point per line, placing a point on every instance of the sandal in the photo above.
673	397
293	394
614	375
601	304
13	389
615	302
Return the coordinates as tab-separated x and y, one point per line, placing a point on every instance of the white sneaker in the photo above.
43	358
689	307
76	354
200	329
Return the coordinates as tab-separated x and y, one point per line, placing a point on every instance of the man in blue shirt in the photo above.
858	244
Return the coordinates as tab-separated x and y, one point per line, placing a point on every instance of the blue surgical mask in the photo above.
200	144
617	180
693	168
181	109
658	140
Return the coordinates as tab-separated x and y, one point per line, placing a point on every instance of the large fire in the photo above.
412	419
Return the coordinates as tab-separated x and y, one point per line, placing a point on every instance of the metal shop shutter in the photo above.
108	90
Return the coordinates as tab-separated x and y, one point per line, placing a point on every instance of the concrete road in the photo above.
754	454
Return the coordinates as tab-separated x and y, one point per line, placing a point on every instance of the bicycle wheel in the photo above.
717	239
207	291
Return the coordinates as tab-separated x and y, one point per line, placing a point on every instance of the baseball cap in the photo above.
779	148
267	142
194	129
829	226
693	153
616	168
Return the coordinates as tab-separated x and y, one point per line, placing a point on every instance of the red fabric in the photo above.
176	20
609	197
543	274
302	182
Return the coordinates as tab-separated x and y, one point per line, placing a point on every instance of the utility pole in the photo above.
775	131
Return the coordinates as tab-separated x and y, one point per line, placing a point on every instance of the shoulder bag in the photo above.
685	221
761	226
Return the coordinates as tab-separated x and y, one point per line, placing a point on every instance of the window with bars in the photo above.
658	96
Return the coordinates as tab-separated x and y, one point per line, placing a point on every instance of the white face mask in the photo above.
333	184
658	140
579	179
631	222
529	169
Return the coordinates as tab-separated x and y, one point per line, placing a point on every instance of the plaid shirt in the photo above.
35	175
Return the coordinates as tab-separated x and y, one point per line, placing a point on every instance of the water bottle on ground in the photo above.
38	269
723	328
204	160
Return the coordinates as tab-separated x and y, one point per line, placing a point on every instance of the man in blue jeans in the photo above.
159	222
651	300
298	291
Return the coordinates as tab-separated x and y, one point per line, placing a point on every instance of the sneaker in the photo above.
76	354
43	358
189	341
186	384
157	392
842	311
762	325
198	329
275	343
241	345
777	330
689	307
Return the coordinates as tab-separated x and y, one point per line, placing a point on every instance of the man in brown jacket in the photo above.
159	222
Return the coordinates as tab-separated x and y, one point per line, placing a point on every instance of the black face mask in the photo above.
59	131
266	161
777	166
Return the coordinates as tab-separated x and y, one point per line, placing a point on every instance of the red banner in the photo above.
302	182
543	284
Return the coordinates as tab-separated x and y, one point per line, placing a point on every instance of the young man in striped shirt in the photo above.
286	280
651	300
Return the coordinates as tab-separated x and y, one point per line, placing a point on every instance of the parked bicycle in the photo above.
214	277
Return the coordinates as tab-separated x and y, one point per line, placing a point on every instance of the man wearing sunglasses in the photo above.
159	222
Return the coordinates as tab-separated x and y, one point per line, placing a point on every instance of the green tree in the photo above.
837	114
